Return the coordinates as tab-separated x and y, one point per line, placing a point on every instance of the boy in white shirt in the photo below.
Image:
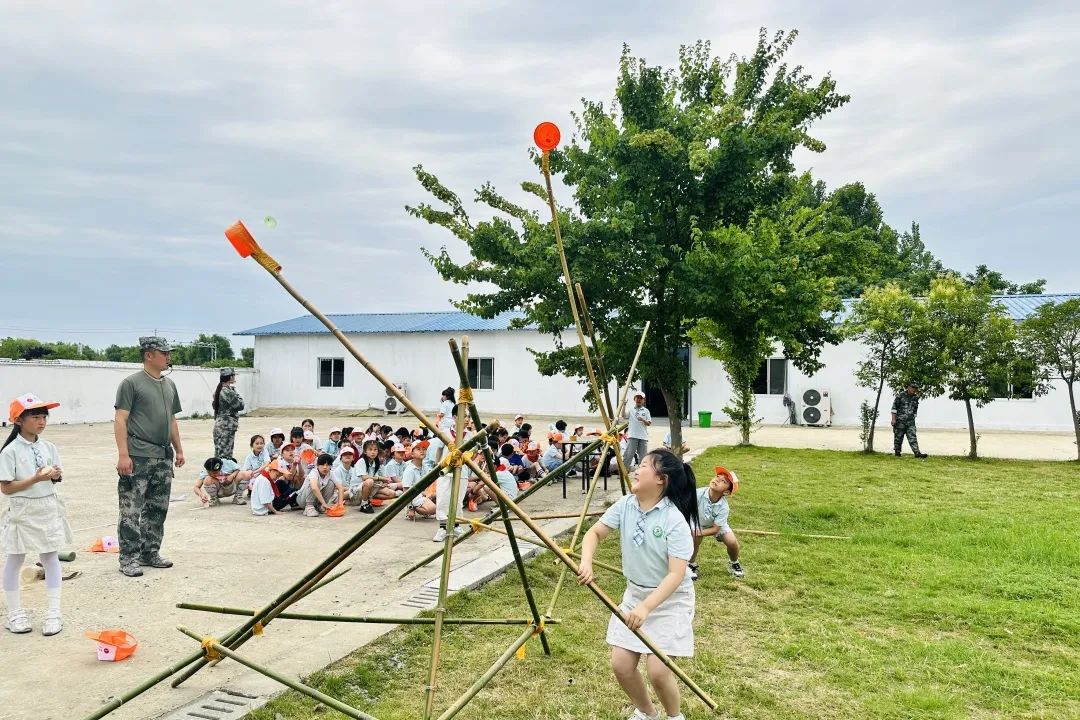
320	490
553	456
637	434
712	501
414	470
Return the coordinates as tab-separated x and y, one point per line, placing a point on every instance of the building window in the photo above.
331	372
1015	382
771	378
482	373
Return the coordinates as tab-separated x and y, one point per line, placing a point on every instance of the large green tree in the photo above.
969	338
680	154
1050	338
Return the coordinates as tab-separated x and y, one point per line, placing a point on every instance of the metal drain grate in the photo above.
218	705
424	599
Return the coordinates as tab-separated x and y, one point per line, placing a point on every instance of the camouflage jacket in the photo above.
230	404
906	407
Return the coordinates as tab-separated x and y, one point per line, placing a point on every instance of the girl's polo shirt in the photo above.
17	462
666	534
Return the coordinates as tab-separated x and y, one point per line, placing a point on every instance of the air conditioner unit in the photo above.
391	404
815	407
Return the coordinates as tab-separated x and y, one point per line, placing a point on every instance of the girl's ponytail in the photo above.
217	397
681	487
11	437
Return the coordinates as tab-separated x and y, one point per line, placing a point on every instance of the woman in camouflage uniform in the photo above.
227	408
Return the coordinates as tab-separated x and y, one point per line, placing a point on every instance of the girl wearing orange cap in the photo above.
34	520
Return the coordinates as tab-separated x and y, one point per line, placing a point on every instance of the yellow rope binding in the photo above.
257	629
520	654
208	649
477	526
610	438
465	395
539	628
455	458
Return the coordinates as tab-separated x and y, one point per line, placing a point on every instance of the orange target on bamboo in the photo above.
241	239
547	136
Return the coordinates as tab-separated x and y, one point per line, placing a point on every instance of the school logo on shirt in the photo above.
657	531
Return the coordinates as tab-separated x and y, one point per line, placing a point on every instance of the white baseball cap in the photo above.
639	394
519	417
334	430
398	447
277	431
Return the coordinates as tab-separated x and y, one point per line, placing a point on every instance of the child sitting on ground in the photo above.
422	504
506	479
395	465
321	490
285	478
344	472
334	443
308	426
258	458
277	439
553	456
221	478
713	517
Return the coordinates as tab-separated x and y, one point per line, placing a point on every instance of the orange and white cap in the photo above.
29	401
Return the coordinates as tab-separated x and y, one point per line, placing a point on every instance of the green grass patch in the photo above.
957	597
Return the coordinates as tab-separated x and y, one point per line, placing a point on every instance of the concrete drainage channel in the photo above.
218	705
224	703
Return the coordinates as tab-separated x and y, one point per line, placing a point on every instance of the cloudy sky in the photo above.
133	133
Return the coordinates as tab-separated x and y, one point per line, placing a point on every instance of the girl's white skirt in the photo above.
34	525
670	626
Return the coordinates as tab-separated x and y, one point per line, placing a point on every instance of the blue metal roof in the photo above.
449	321
1019	307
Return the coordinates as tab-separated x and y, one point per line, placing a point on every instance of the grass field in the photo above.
958	597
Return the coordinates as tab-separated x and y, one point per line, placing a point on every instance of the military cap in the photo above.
152	342
227	373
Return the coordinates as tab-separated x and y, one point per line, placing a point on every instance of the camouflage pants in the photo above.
902	430
218	490
224	436
144	503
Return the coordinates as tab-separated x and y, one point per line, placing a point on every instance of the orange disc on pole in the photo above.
241	239
546	136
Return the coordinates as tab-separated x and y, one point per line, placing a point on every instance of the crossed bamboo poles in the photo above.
213	650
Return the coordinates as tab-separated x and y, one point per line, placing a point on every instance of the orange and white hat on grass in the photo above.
29	401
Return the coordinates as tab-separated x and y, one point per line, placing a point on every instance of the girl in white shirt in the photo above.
446	407
34	521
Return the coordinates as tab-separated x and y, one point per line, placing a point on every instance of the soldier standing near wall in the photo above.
227	408
904	408
148	445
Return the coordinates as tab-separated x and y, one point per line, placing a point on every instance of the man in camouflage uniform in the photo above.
227	408
904	408
148	445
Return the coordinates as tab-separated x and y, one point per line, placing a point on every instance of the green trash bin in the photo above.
704	418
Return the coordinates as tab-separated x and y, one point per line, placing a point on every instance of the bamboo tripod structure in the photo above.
212	650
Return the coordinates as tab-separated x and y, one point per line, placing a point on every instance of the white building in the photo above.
300	364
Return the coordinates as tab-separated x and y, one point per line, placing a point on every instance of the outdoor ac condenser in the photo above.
815	407
391	404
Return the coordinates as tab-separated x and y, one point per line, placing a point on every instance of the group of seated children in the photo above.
364	468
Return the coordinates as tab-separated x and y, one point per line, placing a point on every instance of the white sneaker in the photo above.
440	536
459	530
53	624
18	622
638	715
310	511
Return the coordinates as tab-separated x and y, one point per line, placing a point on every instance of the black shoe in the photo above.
921	456
156	562
367	508
694	571
896	453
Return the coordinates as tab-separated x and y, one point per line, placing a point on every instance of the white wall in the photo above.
288	371
1049	413
86	391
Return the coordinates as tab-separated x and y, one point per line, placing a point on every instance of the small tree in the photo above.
974	339
1050	338
882	321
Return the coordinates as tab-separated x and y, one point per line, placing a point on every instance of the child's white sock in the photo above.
14	600
52	595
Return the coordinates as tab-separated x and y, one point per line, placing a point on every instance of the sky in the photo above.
133	133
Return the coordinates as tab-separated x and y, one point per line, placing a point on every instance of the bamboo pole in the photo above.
575	555
599	355
448	546
623	473
556	516
462	363
288	682
484	679
551	477
243	633
369	619
798	535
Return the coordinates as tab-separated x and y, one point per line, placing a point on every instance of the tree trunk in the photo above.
746	404
674	419
1075	418
873	418
973	453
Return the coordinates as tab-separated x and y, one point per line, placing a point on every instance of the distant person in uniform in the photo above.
147	445
227	406
904	409
637	433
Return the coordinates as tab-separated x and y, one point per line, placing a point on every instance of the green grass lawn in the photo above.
958	597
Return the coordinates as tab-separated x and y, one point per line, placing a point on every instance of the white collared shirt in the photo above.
17	462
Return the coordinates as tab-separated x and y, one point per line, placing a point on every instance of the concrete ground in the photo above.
225	556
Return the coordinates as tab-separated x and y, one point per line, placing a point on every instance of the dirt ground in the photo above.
225	556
